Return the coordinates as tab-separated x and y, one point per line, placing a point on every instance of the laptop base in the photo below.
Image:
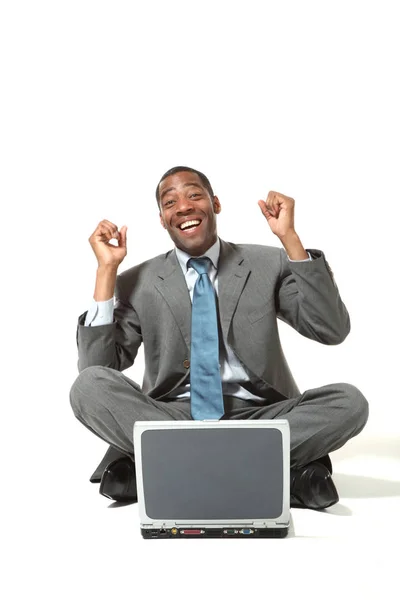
214	532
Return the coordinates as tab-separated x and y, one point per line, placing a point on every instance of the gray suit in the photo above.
256	285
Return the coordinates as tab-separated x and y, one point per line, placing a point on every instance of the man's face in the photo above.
183	199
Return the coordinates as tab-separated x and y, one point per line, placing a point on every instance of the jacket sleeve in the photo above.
115	345
308	299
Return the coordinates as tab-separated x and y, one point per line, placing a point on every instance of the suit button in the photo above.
186	363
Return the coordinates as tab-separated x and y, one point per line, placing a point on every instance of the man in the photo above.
249	286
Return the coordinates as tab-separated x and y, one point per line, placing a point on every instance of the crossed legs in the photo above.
321	420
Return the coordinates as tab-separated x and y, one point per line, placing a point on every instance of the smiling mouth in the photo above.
189	226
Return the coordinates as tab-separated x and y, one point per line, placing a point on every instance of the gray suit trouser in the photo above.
321	420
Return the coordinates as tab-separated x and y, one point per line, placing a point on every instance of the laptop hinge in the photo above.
258	523
263	524
159	525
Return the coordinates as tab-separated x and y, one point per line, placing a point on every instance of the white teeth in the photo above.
189	224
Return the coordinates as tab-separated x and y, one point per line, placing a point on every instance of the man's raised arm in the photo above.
98	337
308	297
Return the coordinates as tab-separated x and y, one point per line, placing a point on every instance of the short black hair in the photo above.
174	170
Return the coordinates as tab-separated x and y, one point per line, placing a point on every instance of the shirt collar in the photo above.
212	253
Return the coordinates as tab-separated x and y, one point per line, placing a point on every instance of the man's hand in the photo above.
107	254
279	212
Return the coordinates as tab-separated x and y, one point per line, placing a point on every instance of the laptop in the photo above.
213	479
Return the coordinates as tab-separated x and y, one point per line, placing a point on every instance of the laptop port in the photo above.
191	531
246	531
230	531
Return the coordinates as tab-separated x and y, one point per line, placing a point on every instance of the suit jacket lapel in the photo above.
232	277
172	286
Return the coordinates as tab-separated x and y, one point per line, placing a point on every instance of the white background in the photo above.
98	100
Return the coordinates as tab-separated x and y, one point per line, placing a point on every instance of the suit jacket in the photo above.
256	285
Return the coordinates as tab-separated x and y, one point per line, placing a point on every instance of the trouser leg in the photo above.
108	403
321	420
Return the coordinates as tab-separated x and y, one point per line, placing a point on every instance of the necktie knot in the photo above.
200	265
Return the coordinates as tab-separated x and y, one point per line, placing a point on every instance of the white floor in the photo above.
68	541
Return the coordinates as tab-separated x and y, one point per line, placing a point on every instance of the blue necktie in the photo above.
205	380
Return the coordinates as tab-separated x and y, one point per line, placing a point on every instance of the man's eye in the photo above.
194	195
168	202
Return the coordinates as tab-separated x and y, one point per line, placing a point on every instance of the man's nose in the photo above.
184	205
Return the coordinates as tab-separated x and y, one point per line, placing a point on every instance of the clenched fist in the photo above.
279	212
107	254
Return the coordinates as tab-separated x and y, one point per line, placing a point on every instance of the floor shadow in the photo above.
339	510
384	447
121	504
356	486
291	531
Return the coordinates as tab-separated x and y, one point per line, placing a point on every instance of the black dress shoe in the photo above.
326	461
118	481
312	486
110	456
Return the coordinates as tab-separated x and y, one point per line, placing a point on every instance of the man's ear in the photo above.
162	222
216	205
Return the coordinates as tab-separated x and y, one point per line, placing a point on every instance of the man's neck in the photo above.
212	253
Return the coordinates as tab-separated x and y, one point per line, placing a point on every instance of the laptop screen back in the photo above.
196	474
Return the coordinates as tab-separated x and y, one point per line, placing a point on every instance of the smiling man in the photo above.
243	373
192	225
